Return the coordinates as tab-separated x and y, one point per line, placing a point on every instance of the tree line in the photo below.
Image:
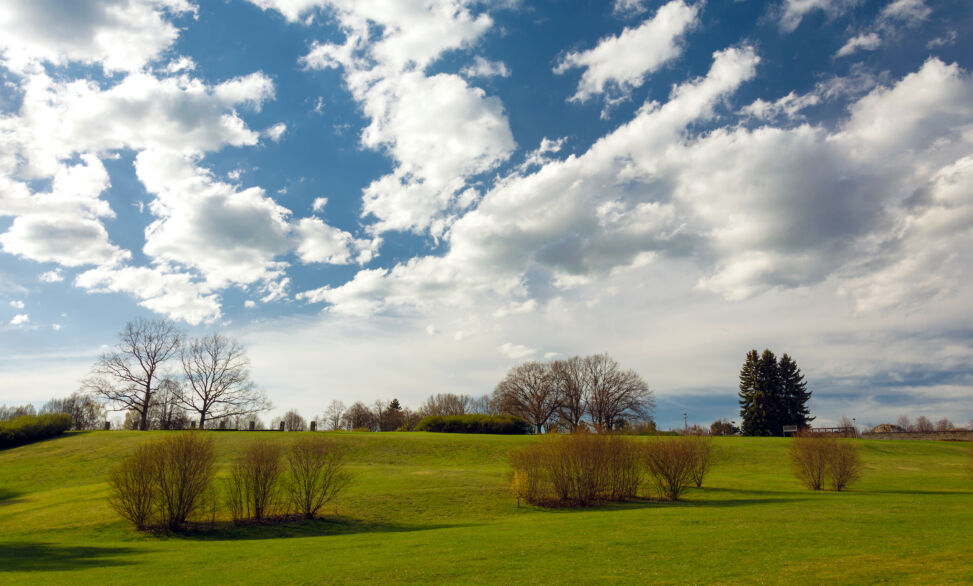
211	380
574	394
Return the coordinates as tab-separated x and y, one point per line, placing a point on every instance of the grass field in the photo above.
436	508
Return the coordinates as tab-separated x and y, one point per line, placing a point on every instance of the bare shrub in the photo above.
577	467
809	459
185	466
576	470
844	465
253	490
317	474
670	463
703	457
528	482
133	491
624	470
816	459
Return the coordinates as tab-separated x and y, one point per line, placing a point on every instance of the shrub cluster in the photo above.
582	468
167	483
164	483
816	460
265	480
474	423
676	464
31	428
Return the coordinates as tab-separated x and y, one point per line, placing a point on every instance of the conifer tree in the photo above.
753	420
769	382
772	394
795	392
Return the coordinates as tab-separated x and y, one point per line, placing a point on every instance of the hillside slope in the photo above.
435	507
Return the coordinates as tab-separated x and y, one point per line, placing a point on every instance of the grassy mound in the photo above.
437	507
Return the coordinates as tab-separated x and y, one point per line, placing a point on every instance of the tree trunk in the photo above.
202	419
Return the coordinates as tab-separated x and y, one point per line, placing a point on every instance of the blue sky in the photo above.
393	199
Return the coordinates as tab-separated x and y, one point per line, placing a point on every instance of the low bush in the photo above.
133	486
844	465
671	464
31	428
474	423
576	470
253	489
817	459
164	483
317	474
185	466
703	457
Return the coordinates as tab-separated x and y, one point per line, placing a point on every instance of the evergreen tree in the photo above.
795	393
772	393
751	399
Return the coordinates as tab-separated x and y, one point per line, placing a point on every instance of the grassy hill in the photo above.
432	507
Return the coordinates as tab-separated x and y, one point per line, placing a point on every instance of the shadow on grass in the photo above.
686	501
45	440
23	556
912	492
8	496
227	531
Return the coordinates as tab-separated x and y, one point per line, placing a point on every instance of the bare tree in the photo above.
446	404
529	391
905	423
358	416
85	412
15	411
332	415
292	421
574	389
484	404
944	424
615	394
166	411
127	375
923	425
218	378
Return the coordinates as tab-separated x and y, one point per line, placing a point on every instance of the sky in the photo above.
390	199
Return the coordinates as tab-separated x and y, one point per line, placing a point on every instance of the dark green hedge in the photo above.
500	424
32	428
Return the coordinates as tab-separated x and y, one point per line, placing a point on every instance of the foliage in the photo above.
317	474
253	489
772	394
723	427
31	428
474	423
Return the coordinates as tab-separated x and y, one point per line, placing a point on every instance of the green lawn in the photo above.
436	508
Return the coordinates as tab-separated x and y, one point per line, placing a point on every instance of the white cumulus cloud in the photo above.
622	62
